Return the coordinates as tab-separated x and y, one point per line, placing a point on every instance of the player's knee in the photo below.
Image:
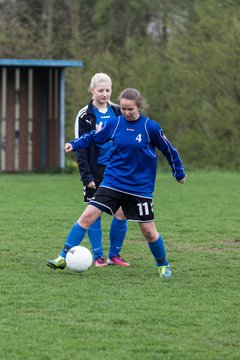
150	236
85	221
149	232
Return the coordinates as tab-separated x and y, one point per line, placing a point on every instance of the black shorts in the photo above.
88	193
135	208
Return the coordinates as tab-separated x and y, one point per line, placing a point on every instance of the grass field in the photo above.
121	313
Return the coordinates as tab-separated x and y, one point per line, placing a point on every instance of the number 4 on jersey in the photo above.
139	138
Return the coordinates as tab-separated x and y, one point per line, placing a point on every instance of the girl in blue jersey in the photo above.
91	163
130	176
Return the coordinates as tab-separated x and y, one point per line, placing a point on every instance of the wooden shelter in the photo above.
32	112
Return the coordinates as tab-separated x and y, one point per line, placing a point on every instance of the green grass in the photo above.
121	313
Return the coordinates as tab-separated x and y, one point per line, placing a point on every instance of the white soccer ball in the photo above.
79	259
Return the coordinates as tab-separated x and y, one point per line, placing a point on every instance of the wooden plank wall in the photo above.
29	119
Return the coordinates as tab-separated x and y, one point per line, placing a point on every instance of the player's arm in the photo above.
84	141
89	138
163	144
82	154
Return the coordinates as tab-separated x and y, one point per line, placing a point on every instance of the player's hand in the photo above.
68	147
183	180
91	185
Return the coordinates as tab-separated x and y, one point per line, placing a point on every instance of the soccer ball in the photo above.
79	259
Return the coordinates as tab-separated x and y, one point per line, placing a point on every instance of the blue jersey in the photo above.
106	148
133	163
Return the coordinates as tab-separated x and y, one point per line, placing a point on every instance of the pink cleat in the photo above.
117	260
100	261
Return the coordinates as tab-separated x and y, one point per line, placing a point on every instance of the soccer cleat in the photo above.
58	263
100	261
117	260
165	271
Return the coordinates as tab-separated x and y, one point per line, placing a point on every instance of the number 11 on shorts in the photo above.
143	208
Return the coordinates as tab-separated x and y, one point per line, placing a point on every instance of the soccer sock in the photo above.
74	238
158	250
117	234
95	238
